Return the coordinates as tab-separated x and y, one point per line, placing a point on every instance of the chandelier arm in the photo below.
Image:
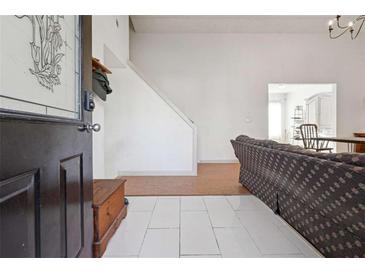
361	17
350	27
359	29
338	23
340	34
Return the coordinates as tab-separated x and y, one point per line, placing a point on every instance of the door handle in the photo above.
89	127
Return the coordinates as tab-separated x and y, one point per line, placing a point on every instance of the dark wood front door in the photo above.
46	177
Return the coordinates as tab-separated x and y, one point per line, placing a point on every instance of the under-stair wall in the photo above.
146	134
143	133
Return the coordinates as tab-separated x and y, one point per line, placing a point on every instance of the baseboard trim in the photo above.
158	173
218	162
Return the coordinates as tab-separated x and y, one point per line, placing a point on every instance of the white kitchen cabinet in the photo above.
321	111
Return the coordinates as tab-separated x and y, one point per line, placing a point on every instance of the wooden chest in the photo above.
109	210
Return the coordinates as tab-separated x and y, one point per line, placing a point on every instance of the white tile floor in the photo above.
205	227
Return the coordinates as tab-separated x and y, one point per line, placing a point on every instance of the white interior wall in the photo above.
106	33
220	80
141	134
145	136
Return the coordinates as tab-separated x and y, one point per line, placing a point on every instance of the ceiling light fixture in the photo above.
354	27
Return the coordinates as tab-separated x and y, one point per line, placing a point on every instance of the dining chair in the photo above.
309	133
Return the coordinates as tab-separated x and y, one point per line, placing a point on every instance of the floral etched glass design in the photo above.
39	64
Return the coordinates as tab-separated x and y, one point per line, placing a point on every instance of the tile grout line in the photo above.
211	224
277	227
145	233
243	227
201	255
231	206
274	224
249	234
300	237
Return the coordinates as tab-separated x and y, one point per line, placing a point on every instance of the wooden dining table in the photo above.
350	141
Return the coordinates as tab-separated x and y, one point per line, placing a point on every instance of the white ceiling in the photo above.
232	24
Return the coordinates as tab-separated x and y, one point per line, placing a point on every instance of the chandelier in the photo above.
354	27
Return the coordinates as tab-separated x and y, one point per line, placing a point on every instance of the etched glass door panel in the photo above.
39	65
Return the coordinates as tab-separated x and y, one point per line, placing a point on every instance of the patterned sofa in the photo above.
321	195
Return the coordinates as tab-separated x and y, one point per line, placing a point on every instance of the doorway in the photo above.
290	105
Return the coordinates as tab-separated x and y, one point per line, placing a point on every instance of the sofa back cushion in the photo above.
257	142
355	159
